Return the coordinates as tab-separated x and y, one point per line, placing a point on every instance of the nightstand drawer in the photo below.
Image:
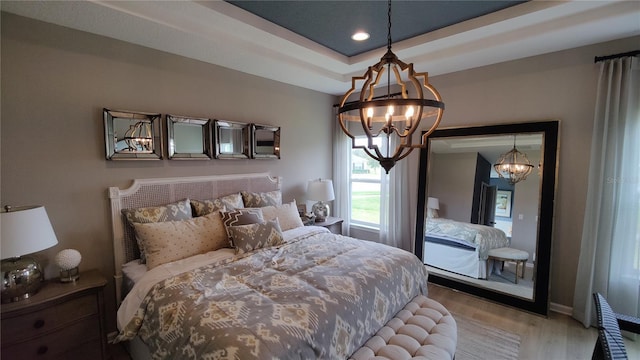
41	322
82	337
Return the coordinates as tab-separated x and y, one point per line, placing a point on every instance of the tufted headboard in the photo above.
152	192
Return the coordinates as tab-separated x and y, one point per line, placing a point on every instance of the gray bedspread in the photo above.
320	296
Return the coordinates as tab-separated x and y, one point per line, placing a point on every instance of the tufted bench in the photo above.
509	254
424	329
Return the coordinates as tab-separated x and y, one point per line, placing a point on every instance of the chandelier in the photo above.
392	116
513	166
138	137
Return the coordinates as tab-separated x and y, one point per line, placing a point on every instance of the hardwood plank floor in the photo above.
557	337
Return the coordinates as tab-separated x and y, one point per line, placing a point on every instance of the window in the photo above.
365	181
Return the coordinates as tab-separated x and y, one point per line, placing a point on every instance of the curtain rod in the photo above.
615	56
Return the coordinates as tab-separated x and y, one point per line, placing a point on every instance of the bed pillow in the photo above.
174	240
180	210
241	217
252	199
287	215
228	202
256	236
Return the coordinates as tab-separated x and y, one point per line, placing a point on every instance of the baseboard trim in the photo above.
561	309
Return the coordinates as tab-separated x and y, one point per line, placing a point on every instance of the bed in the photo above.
461	247
307	294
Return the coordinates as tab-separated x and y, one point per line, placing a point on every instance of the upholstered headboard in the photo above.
152	192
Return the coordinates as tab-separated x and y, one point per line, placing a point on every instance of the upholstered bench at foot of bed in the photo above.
424	329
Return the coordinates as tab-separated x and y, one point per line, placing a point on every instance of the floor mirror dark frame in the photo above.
540	302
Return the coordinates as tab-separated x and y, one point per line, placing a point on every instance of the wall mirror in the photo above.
266	142
231	140
189	138
467	212
132	135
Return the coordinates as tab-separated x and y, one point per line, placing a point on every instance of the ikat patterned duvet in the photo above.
318	296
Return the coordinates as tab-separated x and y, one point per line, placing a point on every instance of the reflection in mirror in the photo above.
132	135
266	142
488	236
231	140
189	138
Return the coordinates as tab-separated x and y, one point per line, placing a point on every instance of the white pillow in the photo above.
174	240
287	215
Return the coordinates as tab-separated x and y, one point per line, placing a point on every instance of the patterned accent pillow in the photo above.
241	217
228	202
256	236
287	215
271	198
180	210
174	240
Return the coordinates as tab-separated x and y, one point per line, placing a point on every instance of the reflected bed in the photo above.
460	247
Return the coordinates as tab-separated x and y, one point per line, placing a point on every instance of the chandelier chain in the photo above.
389	27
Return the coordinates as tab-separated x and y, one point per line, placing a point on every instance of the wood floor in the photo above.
558	337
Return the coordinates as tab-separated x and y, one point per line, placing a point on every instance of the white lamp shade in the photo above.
25	230
320	190
433	203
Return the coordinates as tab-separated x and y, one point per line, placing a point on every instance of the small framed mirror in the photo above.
265	142
132	135
189	138
231	140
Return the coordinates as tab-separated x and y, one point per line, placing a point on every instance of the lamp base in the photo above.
21	278
321	211
70	275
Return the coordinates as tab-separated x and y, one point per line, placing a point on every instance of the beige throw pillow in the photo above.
174	240
180	210
287	215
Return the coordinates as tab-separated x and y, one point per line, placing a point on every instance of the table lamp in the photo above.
433	205
25	230
320	191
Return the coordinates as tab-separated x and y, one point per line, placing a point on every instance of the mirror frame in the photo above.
226	124
254	142
205	125
540	302
110	134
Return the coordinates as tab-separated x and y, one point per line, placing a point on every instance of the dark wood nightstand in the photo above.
334	224
61	321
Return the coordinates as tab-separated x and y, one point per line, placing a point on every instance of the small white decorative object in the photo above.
68	260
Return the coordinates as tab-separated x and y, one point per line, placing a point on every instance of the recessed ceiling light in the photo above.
360	36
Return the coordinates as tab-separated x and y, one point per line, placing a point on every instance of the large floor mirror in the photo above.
482	233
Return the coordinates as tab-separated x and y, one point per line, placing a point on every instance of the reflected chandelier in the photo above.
513	166
396	115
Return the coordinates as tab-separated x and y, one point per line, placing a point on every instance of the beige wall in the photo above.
559	86
55	82
454	191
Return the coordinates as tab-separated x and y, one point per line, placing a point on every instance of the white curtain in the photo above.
610	251
395	206
341	173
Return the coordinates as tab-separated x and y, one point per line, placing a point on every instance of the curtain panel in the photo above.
610	248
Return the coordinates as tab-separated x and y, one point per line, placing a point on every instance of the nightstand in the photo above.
61	321
334	224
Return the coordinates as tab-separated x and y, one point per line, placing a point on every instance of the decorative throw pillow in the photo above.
174	240
180	210
287	215
256	236
271	198
228	202
241	217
